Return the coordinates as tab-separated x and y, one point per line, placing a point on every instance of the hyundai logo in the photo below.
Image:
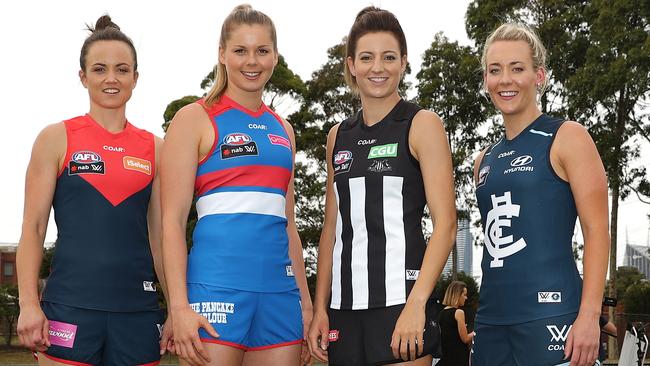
521	160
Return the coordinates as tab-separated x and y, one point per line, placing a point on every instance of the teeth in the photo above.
508	93
111	91
251	74
378	80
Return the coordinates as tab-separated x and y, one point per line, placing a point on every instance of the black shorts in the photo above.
362	337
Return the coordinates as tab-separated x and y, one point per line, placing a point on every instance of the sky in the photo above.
177	46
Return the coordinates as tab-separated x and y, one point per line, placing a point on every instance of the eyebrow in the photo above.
243	46
511	63
102	64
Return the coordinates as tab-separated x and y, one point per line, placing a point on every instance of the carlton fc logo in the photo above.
497	245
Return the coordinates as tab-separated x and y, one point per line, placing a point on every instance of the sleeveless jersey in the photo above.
240	238
380	197
528	215
102	259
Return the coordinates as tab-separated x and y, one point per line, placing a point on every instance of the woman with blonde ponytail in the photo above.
240	297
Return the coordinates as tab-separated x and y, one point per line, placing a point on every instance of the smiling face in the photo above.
109	75
377	65
511	79
249	56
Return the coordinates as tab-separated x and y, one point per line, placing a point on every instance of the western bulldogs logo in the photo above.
85	162
342	161
238	144
497	245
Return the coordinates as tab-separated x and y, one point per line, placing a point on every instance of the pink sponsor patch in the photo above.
62	334
279	140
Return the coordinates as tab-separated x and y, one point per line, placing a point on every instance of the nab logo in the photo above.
237	139
521	160
86	157
342	156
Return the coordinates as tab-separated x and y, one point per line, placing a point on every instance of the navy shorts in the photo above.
362	337
540	342
94	337
248	320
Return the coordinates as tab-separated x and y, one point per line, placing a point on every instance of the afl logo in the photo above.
86	157
237	139
342	156
521	160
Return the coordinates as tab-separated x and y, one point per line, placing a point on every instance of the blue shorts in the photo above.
94	337
248	320
540	342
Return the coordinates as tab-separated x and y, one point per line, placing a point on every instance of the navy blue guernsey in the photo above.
102	259
528	215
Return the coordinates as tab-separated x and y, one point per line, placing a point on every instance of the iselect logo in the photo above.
383	151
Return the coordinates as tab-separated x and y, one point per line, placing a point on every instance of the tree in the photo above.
626	277
449	84
9	310
636	299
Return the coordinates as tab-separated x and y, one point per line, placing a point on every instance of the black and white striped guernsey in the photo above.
379	243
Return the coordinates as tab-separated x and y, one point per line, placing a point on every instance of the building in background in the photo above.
8	263
464	248
638	256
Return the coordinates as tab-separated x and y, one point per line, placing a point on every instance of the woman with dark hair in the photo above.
376	272
240	297
454	338
99	173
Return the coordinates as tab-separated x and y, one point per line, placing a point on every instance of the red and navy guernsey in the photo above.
240	238
103	259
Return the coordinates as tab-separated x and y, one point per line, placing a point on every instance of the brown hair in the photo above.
454	294
519	32
105	30
241	14
370	20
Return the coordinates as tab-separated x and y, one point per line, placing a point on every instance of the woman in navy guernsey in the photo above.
534	308
236	300
376	272
98	171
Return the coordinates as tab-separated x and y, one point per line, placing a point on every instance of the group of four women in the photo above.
241	295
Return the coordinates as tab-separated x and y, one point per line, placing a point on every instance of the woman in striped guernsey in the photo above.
237	298
375	269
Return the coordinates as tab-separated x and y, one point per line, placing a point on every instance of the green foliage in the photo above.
449	84
46	263
9	310
174	107
626	277
471	305
636	298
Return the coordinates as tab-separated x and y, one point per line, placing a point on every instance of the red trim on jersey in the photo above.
278	345
260	111
225	343
67	362
248	175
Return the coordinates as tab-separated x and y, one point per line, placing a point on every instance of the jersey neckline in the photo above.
126	129
534	123
381	122
262	108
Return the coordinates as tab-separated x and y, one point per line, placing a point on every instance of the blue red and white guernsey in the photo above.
103	259
528	214
240	238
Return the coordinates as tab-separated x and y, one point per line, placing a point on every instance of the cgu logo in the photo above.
86	157
342	156
383	151
237	139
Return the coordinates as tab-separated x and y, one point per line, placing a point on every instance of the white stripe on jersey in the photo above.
262	203
395	241
359	243
336	257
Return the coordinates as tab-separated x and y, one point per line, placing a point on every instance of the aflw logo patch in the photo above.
546	297
412	274
557	334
